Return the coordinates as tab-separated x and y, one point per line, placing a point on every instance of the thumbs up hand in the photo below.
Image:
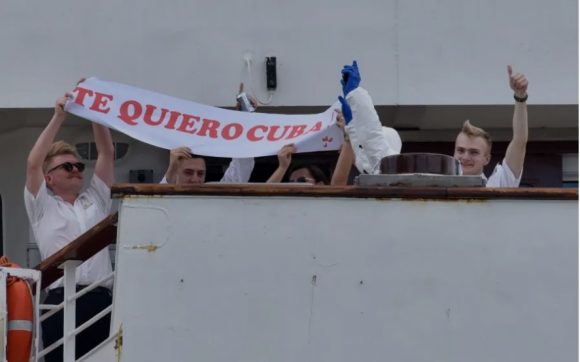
518	83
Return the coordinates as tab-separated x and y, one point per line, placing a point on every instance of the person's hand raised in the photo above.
350	78
518	83
285	156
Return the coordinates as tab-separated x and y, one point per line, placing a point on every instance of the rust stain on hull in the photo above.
149	247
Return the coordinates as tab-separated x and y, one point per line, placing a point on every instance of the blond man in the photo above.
59	211
473	144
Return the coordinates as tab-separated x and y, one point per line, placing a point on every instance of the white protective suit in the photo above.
370	141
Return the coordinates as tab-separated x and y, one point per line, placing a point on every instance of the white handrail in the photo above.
92	286
68	305
91	321
50	348
55	308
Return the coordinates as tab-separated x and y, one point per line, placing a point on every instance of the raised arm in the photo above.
345	159
369	139
34	172
516	151
105	166
243	107
239	170
175	155
343	165
284	160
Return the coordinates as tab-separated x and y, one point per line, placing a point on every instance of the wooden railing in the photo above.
82	248
449	193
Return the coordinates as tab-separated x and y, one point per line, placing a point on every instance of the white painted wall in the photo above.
410	52
333	279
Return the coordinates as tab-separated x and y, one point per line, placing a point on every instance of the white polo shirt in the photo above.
239	171
502	176
55	223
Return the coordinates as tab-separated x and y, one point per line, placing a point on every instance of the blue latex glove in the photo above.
346	111
350	71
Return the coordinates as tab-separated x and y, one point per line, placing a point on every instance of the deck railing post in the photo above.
69	321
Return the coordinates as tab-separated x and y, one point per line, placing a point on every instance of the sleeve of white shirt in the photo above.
239	171
35	206
367	137
503	176
101	192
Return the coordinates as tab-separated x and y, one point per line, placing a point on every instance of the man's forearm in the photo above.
343	165
516	151
171	174
36	157
278	175
239	170
103	140
42	145
520	124
105	166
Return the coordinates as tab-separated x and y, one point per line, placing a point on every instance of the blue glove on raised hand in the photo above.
346	111
350	78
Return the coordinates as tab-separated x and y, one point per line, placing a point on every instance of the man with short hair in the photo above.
59	211
473	144
188	168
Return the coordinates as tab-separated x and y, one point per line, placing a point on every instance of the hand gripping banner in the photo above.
169	122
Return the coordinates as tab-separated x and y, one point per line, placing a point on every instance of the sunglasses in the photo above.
68	167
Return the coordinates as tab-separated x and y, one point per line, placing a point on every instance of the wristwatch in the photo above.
521	99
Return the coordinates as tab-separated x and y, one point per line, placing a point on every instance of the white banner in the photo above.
169	122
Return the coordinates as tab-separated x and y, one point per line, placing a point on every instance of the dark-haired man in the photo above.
187	168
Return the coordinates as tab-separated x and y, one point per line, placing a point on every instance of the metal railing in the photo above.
64	263
68	306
